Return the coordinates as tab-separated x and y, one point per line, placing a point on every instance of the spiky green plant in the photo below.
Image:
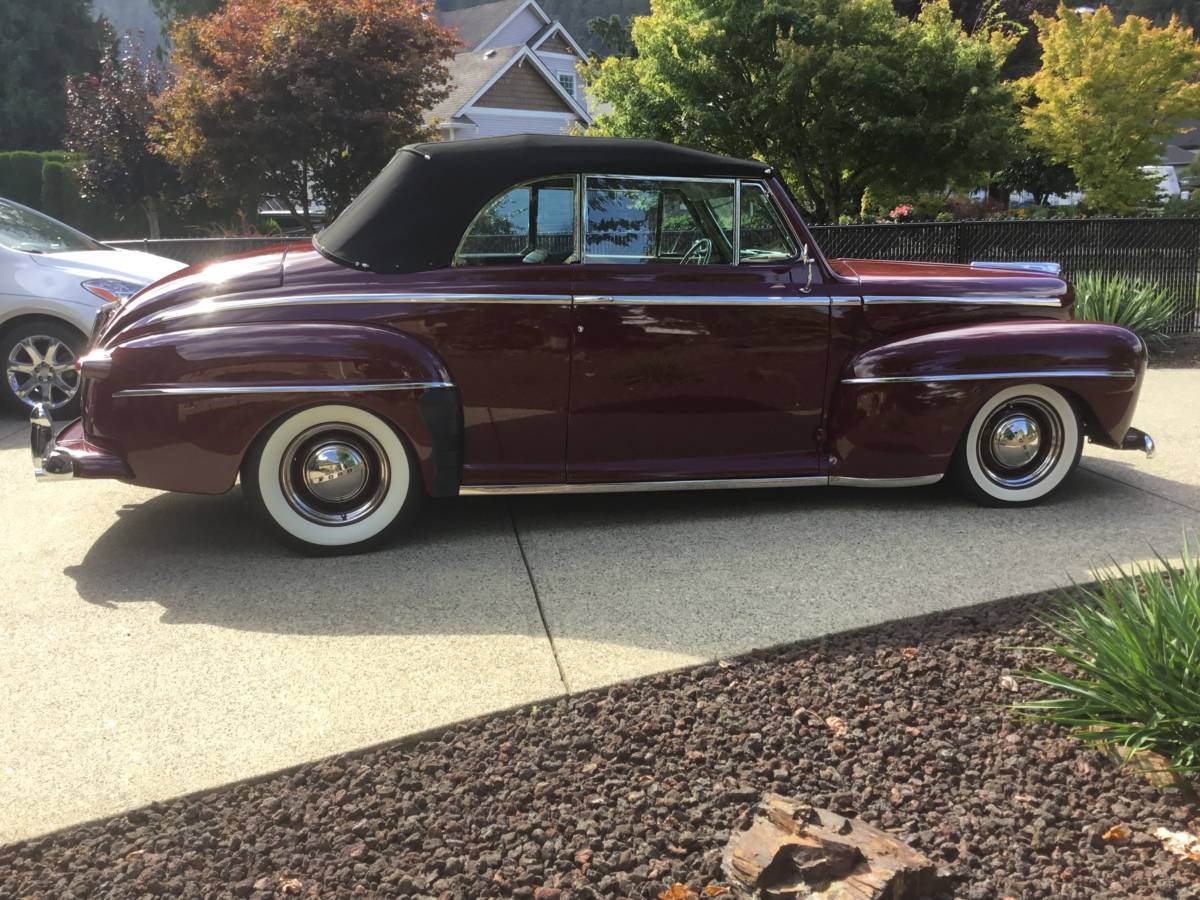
1132	642
1144	308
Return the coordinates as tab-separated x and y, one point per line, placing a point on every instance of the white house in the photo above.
517	74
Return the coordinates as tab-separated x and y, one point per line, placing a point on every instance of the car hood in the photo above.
247	272
131	265
878	276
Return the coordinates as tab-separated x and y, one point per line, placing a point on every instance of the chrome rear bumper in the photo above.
1136	439
49	463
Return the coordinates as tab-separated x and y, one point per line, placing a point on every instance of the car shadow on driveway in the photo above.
1133	471
459	569
206	560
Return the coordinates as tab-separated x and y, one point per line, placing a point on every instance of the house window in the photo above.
567	80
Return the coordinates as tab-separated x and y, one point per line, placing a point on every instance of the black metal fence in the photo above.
1162	251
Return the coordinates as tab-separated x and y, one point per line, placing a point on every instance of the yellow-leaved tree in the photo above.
1106	98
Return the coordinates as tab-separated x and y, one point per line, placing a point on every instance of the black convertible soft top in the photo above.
411	217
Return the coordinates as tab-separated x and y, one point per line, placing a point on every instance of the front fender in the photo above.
901	406
182	407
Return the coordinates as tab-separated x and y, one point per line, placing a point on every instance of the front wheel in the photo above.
39	357
1019	447
331	479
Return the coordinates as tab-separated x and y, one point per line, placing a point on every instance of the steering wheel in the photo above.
698	254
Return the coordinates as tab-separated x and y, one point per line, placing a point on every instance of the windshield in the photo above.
23	229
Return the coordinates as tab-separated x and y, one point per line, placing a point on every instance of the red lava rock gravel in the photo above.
622	792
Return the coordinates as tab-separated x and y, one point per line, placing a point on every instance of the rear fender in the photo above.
183	407
901	406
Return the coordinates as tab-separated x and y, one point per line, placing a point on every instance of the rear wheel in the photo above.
331	480
39	367
1020	447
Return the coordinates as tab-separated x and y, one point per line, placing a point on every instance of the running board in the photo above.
618	487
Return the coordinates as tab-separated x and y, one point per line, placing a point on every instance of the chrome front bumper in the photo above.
49	463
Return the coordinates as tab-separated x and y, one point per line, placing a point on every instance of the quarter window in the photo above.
646	220
531	224
764	237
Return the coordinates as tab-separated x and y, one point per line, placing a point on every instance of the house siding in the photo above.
523	88
556	44
524	26
564	65
498	125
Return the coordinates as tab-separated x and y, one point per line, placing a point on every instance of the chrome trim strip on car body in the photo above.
707	179
215	305
910	481
183	390
994	376
1041	298
685	300
618	487
204	307
1045	268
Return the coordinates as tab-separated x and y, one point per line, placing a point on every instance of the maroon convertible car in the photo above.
554	314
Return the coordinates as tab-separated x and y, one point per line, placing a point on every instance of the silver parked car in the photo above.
53	281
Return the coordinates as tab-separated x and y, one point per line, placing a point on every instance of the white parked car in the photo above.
53	281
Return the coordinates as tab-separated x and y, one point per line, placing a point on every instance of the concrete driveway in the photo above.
155	645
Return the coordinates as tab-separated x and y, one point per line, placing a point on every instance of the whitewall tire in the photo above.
331	479
1020	447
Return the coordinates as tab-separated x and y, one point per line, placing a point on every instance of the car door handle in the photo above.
593	298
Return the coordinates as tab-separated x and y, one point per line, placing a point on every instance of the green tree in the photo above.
839	94
1031	171
1106	98
981	15
614	33
301	100
108	123
40	45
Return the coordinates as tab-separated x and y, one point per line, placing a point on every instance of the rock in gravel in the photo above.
792	849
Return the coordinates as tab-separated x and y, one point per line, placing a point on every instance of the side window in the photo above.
764	236
647	220
530	224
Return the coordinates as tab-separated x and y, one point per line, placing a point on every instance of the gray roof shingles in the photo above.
468	73
477	22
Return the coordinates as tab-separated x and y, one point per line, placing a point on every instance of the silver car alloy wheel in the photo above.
41	369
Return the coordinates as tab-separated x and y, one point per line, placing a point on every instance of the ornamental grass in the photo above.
1144	308
1131	642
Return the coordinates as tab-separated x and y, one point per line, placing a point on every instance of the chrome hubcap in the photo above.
41	369
1016	440
1021	442
334	474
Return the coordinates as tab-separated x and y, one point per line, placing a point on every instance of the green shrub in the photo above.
1142	307
1177	207
55	188
1133	643
21	176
